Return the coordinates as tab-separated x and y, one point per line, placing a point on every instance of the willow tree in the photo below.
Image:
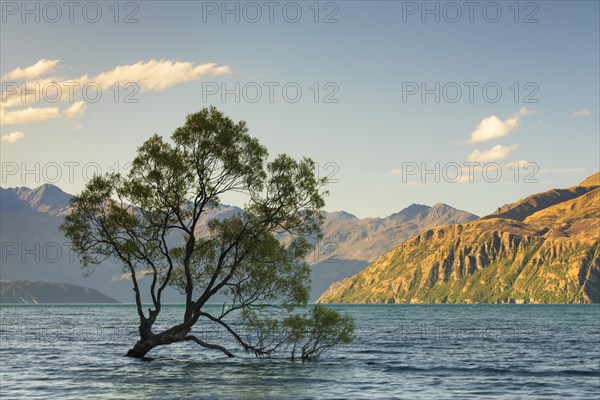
151	220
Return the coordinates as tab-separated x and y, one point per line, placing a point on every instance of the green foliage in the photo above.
322	329
150	221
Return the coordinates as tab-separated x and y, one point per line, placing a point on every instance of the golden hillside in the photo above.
530	252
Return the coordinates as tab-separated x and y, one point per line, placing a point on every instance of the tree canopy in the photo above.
151	220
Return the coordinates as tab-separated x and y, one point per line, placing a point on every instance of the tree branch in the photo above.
248	347
209	345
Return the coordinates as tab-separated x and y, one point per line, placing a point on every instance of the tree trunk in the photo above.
141	348
149	340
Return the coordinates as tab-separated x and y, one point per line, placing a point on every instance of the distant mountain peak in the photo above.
411	211
416	206
342	215
443	208
49	187
46	198
593	180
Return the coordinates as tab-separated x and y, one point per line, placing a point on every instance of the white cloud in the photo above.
29	115
12	137
150	76
39	114
158	75
126	276
493	127
35	91
496	153
75	111
581	113
33	71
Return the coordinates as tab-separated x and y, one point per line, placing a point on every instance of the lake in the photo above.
400	352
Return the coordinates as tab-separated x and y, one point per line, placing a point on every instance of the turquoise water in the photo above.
400	352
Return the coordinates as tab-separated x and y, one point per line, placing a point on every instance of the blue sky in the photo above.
375	140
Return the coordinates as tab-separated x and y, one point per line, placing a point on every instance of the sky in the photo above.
470	104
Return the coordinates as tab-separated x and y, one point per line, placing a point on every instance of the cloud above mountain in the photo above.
493	127
496	153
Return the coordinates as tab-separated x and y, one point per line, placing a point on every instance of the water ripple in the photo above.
400	352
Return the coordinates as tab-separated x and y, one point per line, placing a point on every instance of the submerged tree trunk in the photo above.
149	340
141	348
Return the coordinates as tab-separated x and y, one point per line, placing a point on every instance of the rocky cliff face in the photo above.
541	254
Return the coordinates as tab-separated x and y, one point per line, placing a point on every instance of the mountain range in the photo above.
26	292
350	244
544	248
33	249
